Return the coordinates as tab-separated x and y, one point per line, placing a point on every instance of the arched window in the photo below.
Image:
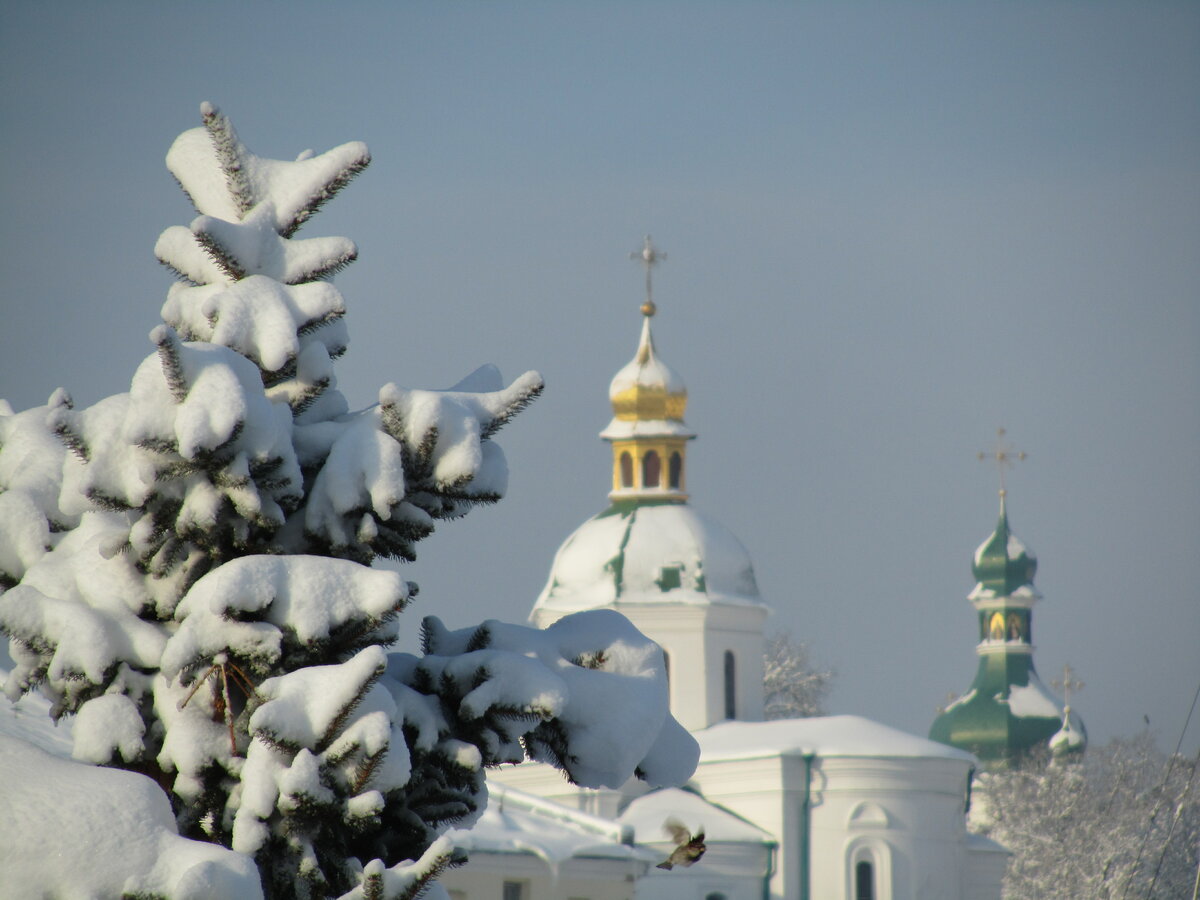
675	471
730	686
651	469
626	470
715	895
869	858
864	881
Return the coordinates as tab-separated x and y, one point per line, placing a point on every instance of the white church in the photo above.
830	808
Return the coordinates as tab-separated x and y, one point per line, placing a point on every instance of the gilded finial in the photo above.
649	256
1003	455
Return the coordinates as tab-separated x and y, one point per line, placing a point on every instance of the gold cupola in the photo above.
647	432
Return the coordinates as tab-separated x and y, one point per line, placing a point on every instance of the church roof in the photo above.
823	736
521	823
646	814
647	552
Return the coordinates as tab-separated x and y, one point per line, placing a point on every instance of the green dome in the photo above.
1002	563
1007	713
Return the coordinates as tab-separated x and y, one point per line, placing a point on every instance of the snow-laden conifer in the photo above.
185	567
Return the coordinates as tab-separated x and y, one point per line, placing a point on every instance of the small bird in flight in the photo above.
690	847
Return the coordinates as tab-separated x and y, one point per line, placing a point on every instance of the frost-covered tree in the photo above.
1122	823
185	568
793	686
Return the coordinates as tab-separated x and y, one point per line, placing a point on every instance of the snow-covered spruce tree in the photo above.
793	686
184	568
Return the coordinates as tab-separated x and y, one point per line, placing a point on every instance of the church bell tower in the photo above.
680	576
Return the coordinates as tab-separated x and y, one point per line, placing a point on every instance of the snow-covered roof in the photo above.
647	813
1033	700
626	429
823	736
1067	739
517	822
649	553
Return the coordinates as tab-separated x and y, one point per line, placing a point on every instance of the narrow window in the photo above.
715	895
864	881
730	685
651	469
675	471
667	666
626	470
513	890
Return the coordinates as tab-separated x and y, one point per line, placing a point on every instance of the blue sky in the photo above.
891	229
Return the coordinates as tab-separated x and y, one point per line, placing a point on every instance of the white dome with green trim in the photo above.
647	552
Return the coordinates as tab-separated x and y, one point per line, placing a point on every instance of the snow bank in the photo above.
75	830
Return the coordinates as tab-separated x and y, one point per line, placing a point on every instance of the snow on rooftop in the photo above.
1033	700
1026	593
668	553
646	815
625	429
517	822
823	736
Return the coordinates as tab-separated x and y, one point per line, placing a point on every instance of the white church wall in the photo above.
696	638
904	817
767	791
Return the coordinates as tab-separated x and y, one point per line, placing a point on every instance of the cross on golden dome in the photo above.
1003	455
649	256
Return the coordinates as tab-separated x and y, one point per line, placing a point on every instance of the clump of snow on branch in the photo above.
596	683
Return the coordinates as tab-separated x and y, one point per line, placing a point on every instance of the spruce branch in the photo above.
522	399
308	395
168	345
313	324
365	769
327	269
339	721
175	273
481	638
220	255
326	193
230	156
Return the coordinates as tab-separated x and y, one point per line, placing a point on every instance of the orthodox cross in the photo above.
649	256
1066	684
1003	456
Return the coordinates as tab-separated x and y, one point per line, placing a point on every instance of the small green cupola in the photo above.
1002	563
1007	712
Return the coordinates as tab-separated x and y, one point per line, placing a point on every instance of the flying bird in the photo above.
690	847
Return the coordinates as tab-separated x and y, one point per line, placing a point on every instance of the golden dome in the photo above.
646	389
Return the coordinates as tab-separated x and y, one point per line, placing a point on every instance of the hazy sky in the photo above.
891	228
